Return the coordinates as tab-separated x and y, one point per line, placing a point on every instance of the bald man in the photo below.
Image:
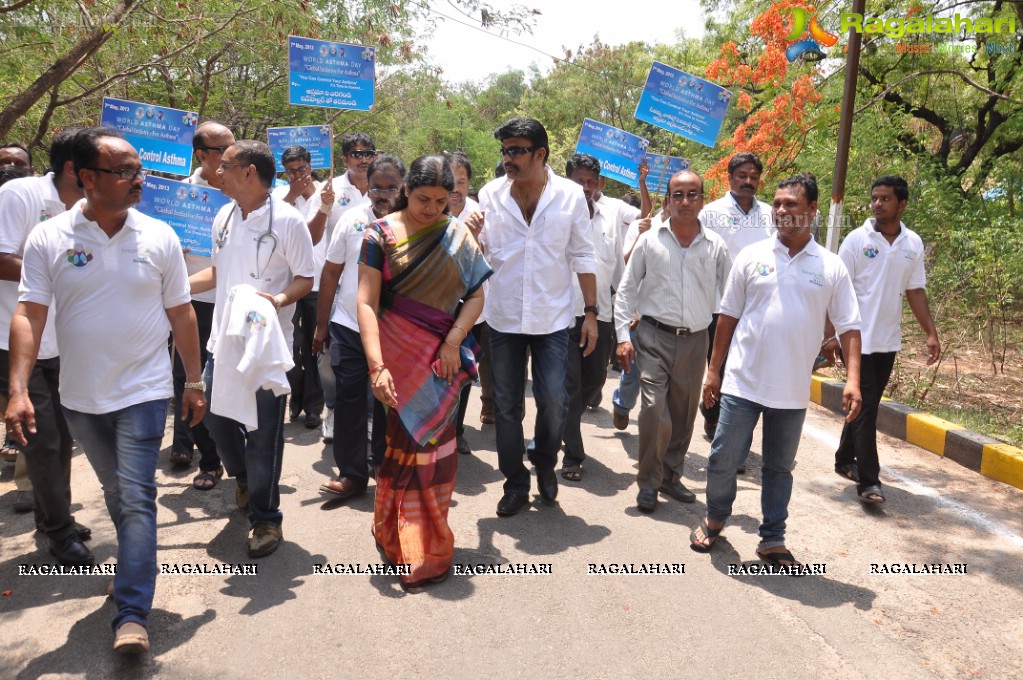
671	281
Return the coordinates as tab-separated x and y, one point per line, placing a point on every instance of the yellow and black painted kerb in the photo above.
985	455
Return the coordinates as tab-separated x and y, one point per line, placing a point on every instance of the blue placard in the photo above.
683	104
188	208
162	136
330	74
618	151
316	139
661	168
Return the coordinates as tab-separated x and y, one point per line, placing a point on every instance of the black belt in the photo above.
665	327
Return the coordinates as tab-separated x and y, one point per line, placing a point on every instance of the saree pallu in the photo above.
424	278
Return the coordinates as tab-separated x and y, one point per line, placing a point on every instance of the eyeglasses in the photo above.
218	149
680	196
389	193
516	150
124	173
361	154
296	172
228	166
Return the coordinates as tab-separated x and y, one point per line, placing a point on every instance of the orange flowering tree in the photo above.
777	107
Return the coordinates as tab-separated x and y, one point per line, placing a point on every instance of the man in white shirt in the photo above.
740	220
535	229
671	283
264	242
461	206
210	141
337	328
109	271
586	374
886	261
25	203
358	151
316	204
770	319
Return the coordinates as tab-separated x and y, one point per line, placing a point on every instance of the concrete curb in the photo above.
976	452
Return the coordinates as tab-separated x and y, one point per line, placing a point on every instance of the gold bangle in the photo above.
450	345
455	325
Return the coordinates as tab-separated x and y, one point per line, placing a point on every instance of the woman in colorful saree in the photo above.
417	265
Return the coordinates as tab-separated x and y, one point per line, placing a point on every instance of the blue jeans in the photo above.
627	393
255	457
122	448
549	356
782	430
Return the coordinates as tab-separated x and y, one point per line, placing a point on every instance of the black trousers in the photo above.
711	414
859	438
584	379
48	453
304	378
482	335
186	437
348	361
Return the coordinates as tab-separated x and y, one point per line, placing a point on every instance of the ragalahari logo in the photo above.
807	48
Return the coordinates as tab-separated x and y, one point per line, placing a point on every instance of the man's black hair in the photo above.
583	161
805	180
353	139
740	159
526	128
898	185
250	152
85	148
295	153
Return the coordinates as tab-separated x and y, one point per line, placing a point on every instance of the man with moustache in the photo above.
347	357
886	261
111	272
261	241
210	141
740	220
12	153
671	282
46	461
358	151
535	229
770	321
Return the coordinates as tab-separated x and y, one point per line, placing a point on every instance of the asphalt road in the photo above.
287	621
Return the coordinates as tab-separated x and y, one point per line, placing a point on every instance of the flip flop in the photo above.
775	559
871	495
573	473
849	471
710	535
207	479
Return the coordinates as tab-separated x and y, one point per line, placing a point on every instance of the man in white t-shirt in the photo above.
347	357
316	204
740	220
886	262
770	321
357	151
264	242
210	141
25	203
109	271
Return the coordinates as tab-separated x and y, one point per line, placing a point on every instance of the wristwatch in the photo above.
201	386
591	308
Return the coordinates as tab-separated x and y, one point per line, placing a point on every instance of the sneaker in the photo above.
264	539
131	638
621	420
328	426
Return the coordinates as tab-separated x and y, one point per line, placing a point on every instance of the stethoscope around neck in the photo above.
261	265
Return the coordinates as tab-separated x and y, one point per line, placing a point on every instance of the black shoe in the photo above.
741	470
511	503
313	421
646	500
70	550
678	491
462	446
547	484
84	532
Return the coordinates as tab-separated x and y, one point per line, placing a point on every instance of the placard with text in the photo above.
188	208
316	139
684	104
330	74
162	136
618	151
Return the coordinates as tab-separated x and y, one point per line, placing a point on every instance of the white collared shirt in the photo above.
245	251
632	234
607	249
619	213
780	302
881	274
736	227
533	264
308	207
109	297
344	249
24	203
346	195
676	286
